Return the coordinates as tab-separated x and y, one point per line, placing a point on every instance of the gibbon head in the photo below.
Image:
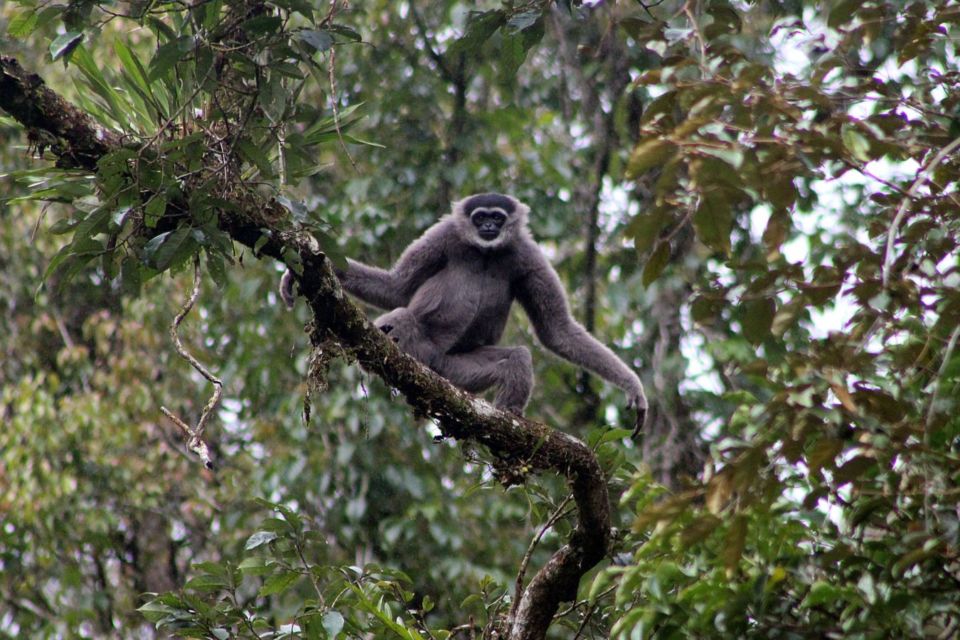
490	220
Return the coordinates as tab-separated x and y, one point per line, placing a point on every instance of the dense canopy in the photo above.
754	203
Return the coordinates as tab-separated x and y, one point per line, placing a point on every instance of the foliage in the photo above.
779	230
326	600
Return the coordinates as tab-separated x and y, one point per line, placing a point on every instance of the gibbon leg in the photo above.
510	369
402	327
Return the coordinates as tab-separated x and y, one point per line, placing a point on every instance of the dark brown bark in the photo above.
521	446
50	120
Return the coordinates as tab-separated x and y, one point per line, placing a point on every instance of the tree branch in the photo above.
522	444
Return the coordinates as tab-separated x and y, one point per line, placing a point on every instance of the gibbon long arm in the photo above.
542	297
389	289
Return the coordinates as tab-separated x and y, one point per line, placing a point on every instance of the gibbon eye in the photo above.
482	216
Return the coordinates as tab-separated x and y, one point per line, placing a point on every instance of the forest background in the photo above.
755	203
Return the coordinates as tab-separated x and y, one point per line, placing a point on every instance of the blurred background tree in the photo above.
754	202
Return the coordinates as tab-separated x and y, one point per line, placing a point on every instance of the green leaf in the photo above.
821	593
95	223
167	56
206	582
480	26
64	225
713	220
256	156
647	155
345	32
611	435
776	231
756	318
254	566
853	469
22	24
524	20
780	190
64	44
734	543
367	143
279	583
656	263
82	59
317	39
170	248
216	268
155	611
136	79
699	529
73	255
512	55
333	623
841	12
258	539
154	210
645	228
130	276
292	518
725	19
930	548
823	453
262	25
364	602
856	143
131	65
302	6
706	308
600	584
786	316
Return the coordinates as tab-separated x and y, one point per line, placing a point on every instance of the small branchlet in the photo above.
194	435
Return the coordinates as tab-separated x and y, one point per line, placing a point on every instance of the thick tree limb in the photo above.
521	445
51	121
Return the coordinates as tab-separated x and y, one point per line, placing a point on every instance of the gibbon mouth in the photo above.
488	235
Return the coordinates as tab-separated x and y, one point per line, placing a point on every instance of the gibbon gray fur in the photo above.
449	297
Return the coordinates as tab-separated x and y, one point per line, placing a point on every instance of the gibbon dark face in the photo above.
488	212
488	221
490	218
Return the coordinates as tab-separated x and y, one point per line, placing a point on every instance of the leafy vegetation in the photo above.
756	202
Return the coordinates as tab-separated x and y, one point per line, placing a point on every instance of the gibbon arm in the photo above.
390	289
542	297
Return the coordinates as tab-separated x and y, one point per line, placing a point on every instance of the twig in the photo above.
652	5
195	440
552	520
586	619
576	605
332	78
951	345
863	169
680	225
448	74
905	205
469	626
696	30
69	343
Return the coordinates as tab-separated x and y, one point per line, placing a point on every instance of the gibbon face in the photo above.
490	220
